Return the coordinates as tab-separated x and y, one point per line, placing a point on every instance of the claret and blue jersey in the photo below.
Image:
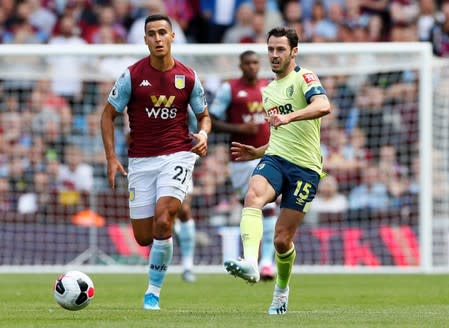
157	105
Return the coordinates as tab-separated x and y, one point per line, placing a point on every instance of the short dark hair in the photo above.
247	53
157	17
288	32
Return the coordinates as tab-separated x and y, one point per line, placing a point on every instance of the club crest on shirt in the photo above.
180	81
289	91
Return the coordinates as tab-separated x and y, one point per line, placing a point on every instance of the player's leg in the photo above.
286	226
172	183
142	179
267	271
185	231
297	196
162	251
259	193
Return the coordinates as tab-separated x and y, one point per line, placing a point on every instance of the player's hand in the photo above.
277	120
249	128
114	165
200	147
243	152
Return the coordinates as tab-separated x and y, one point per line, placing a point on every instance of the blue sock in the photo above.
267	256
187	243
160	257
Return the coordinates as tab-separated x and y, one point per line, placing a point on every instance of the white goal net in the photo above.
383	207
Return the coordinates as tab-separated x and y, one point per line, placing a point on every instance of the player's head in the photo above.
249	64
282	49
159	35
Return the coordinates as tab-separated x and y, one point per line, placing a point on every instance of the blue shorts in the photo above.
296	184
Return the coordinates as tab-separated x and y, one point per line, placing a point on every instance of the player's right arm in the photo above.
243	152
218	111
107	132
117	100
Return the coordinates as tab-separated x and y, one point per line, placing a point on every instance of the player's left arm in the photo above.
319	106
199	106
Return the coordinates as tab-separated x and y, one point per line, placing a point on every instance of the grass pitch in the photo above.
26	300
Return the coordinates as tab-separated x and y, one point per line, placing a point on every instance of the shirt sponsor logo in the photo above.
310	78
180	81
162	107
272	111
162	100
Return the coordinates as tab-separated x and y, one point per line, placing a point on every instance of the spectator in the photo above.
122	10
329	204
242	27
370	197
182	11
137	31
75	174
38	199
219	16
377	14
66	70
439	34
257	34
426	19
394	175
404	12
271	14
22	32
41	18
107	21
6	196
291	12
319	28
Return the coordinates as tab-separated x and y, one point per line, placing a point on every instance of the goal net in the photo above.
383	207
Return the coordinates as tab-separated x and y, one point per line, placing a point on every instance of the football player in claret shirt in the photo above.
291	164
238	110
156	91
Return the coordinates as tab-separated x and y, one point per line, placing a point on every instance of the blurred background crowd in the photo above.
50	140
228	21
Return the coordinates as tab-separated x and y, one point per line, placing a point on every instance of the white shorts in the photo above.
240	174
150	178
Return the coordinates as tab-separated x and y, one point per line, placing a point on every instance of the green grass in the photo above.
221	301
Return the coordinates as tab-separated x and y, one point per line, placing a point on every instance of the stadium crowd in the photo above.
50	140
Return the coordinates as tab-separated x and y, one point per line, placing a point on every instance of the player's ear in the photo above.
294	52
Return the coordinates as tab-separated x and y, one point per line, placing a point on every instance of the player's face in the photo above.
250	66
159	37
280	54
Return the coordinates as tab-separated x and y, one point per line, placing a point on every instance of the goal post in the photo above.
395	95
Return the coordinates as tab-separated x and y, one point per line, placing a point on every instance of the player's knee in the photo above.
144	240
184	213
252	199
281	244
163	225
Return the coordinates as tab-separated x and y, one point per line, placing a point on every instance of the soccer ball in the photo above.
73	290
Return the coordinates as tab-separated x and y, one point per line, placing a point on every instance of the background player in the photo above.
156	91
291	165
184	227
237	109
